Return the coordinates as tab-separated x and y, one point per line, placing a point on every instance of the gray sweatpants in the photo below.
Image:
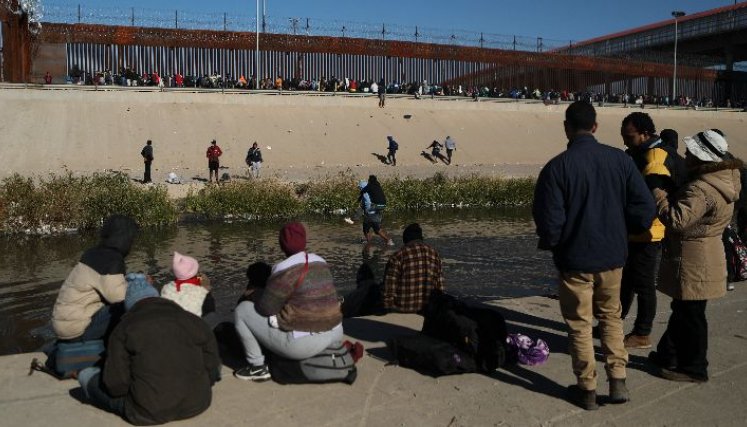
254	329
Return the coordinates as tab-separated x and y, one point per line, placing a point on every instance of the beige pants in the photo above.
584	296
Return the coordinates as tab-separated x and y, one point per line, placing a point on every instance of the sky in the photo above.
561	20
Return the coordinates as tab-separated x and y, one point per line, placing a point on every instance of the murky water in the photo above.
487	254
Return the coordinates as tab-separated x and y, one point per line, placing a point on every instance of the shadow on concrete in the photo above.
78	394
373	330
530	380
429	157
381	158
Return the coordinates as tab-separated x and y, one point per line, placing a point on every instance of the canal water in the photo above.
487	254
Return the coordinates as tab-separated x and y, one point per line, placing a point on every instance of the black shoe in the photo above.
618	391
680	376
585	399
254	373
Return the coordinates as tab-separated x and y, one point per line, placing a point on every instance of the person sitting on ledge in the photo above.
297	314
161	362
412	273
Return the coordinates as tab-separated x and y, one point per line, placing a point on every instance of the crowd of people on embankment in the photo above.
333	84
618	224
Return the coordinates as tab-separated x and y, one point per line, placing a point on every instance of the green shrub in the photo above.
68	202
266	199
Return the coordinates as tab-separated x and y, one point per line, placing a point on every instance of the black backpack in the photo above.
334	364
430	356
479	331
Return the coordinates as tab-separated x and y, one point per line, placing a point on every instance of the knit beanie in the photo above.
293	238
184	267
138	288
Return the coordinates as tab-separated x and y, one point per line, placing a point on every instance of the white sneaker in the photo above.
390	242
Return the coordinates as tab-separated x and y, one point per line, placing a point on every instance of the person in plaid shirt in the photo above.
412	273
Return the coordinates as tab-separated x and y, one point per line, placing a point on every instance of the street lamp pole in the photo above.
676	14
256	53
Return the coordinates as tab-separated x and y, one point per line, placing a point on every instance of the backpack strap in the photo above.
303	273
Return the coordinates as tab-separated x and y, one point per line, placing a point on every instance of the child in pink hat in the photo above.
189	288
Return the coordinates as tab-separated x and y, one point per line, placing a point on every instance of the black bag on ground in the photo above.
430	356
334	364
480	331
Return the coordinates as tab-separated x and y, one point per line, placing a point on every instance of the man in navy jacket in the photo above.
587	200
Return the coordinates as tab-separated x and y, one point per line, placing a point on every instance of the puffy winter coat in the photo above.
694	265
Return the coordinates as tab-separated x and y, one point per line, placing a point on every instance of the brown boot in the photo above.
618	391
585	399
637	341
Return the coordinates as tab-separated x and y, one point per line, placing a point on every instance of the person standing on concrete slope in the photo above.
147	153
391	156
382	93
450	145
254	159
658	163
587	199
213	155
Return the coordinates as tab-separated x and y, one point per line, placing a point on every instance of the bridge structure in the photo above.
91	48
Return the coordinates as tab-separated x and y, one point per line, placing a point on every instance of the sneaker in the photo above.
390	242
585	399
640	342
683	377
730	286
618	391
254	373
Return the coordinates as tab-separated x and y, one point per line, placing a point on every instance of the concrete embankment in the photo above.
302	137
386	395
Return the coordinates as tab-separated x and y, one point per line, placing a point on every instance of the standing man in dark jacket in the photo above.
659	164
161	362
147	153
391	156
586	201
254	159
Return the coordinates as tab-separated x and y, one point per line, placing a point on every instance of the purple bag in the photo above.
523	350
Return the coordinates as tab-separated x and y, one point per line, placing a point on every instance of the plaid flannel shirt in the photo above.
411	274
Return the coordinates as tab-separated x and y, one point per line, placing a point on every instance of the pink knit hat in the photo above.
184	267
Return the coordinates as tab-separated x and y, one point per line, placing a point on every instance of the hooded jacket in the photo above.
98	278
163	361
661	167
694	265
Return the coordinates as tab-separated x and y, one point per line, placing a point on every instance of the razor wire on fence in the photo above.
71	13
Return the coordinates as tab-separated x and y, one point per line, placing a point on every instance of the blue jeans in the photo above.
90	381
102	322
254	329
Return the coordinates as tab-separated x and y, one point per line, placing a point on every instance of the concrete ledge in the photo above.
389	395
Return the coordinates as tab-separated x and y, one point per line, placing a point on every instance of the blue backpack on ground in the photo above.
65	359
